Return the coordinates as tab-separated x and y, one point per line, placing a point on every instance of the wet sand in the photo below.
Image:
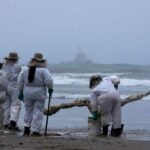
69	142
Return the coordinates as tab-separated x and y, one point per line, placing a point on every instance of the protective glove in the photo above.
95	116
21	96
50	91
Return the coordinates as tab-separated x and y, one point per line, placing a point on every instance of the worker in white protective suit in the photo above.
3	90
33	82
105	95
12	105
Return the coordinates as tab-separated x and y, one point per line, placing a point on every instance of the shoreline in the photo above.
133	135
70	142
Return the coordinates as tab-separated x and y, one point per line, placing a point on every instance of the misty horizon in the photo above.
108	32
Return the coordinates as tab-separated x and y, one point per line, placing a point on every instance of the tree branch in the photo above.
133	98
85	102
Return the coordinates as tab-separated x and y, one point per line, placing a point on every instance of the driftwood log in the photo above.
85	102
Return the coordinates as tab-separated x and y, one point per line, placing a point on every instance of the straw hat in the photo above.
12	55
37	61
38	57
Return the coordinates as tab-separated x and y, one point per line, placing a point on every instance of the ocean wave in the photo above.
66	80
76	78
75	75
134	82
70	80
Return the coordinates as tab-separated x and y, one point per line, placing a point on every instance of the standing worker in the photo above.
12	105
3	90
33	82
105	95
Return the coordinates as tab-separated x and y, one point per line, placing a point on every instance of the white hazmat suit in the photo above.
3	90
35	94
12	104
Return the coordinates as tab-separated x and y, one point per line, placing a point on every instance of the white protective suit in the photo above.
35	95
12	105
3	90
107	97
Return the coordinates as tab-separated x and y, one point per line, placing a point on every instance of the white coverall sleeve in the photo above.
48	79
4	81
18	70
94	102
20	83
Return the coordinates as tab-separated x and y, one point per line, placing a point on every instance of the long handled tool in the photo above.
47	115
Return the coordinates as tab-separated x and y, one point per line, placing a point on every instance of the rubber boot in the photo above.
6	126
105	130
13	123
26	131
117	132
13	126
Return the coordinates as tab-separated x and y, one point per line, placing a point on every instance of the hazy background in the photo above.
108	31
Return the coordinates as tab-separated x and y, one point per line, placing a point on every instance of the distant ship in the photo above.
81	58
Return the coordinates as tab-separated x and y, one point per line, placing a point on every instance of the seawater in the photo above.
70	84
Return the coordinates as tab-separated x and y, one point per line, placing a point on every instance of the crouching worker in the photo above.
3	90
33	82
105	95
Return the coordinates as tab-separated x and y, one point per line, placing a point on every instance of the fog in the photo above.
107	31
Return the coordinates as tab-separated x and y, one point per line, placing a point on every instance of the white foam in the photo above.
81	79
66	80
70	96
134	82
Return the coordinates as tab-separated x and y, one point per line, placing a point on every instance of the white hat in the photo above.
115	79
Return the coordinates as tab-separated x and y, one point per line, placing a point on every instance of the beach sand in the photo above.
69	142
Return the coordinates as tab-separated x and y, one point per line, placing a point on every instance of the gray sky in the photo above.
108	31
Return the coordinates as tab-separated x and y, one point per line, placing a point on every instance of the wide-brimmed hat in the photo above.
12	55
38	57
37	61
